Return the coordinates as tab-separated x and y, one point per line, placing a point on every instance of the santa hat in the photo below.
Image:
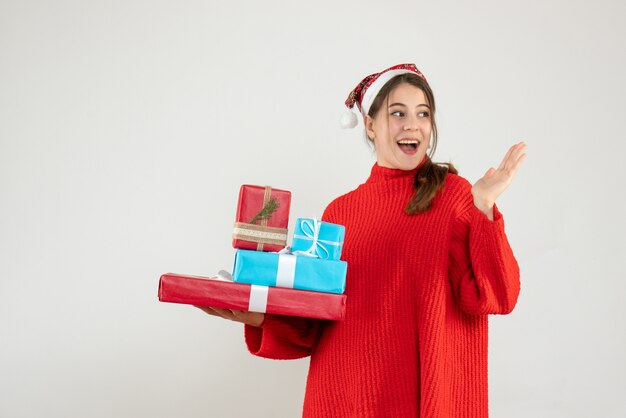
366	91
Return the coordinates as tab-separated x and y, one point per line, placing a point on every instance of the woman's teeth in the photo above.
408	143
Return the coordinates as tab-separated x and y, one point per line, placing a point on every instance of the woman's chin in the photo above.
402	161
409	162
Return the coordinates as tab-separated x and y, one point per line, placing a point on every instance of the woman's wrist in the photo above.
485	206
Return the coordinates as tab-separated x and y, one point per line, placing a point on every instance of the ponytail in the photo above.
428	180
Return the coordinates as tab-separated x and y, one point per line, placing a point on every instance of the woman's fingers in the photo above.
237	314
506	157
251	318
519	160
511	160
224	313
516	158
208	310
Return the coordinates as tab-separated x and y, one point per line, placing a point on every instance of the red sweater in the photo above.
419	288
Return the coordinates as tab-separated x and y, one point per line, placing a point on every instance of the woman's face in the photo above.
401	128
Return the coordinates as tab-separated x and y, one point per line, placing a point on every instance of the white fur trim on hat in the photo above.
374	88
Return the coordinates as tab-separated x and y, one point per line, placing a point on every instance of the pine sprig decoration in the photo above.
268	209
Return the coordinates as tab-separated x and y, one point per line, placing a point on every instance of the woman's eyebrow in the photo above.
402	104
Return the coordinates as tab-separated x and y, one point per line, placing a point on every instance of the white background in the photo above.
127	127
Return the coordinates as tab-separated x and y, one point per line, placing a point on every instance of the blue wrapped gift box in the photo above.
318	238
289	270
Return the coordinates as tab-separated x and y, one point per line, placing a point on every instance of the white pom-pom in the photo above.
348	120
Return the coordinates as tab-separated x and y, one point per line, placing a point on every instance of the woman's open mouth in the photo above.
408	146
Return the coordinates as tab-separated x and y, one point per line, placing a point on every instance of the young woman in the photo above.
428	260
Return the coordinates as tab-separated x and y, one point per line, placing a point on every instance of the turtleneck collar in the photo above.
381	174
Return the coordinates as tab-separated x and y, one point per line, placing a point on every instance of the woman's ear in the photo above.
368	122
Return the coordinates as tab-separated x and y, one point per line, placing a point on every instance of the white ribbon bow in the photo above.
311	231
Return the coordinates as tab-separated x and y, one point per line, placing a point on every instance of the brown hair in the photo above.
430	177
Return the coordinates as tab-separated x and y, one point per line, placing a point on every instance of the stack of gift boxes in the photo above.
305	280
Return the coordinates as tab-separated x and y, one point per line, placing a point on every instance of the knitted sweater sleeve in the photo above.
483	270
284	337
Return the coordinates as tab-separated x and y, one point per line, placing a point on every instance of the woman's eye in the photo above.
397	113
424	114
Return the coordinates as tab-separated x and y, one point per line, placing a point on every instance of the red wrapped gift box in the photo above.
203	291
262	218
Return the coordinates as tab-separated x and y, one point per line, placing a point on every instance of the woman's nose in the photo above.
410	124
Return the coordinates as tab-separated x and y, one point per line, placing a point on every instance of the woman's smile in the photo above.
408	145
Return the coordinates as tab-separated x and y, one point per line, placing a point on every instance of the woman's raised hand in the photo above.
487	189
250	318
